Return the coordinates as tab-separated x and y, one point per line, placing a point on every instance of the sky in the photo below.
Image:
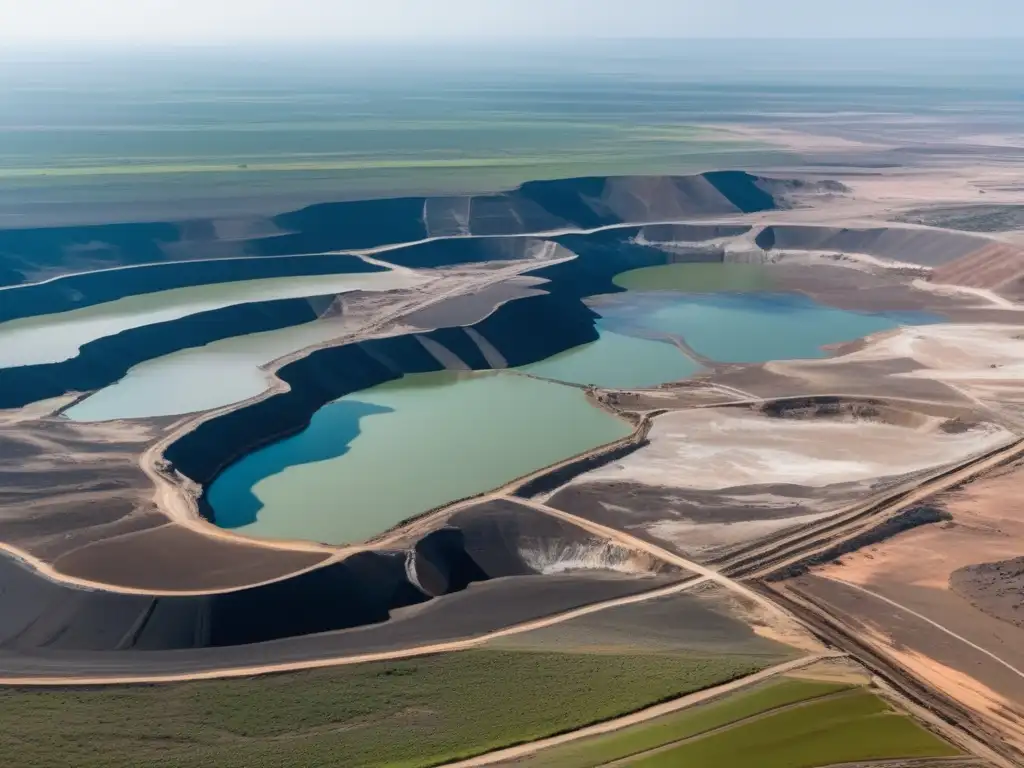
176	22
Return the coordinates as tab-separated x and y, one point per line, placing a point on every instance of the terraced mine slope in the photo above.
33	255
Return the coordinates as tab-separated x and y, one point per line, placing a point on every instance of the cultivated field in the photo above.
406	713
788	722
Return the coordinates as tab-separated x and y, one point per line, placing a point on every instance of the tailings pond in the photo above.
726	313
57	337
374	458
202	378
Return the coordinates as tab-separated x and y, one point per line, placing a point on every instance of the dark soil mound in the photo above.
480	544
995	588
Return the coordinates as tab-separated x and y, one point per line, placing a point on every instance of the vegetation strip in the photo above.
843	729
415	713
740	723
689	723
516	753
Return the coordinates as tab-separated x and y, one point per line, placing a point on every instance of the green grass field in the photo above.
681	725
784	723
405	714
852	727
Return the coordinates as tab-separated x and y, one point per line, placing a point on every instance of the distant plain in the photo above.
164	135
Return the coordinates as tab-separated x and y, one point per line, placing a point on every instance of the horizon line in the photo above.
486	39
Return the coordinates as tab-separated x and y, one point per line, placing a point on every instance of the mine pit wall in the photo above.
497	541
351	224
930	248
362	590
36	254
502	539
600	257
28	255
104	361
507	538
90	288
462	251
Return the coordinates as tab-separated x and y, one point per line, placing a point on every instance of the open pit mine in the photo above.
381	429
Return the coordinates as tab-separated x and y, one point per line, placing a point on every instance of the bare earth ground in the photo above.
712	449
985	686
914	571
73	498
995	588
712	479
706	619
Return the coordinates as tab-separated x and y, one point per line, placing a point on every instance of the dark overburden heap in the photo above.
71	625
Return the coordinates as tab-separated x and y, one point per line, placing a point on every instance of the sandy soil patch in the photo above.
717	448
952	352
986	297
987	526
859	261
926	556
973	363
834	671
939	656
35	411
768	624
965	689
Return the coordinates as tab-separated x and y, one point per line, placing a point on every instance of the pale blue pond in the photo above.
749	327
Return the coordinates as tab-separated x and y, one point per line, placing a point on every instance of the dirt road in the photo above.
958	724
960	638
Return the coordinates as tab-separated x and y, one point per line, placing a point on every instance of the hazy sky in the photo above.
212	21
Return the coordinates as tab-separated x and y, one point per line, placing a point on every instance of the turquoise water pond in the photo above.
370	460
